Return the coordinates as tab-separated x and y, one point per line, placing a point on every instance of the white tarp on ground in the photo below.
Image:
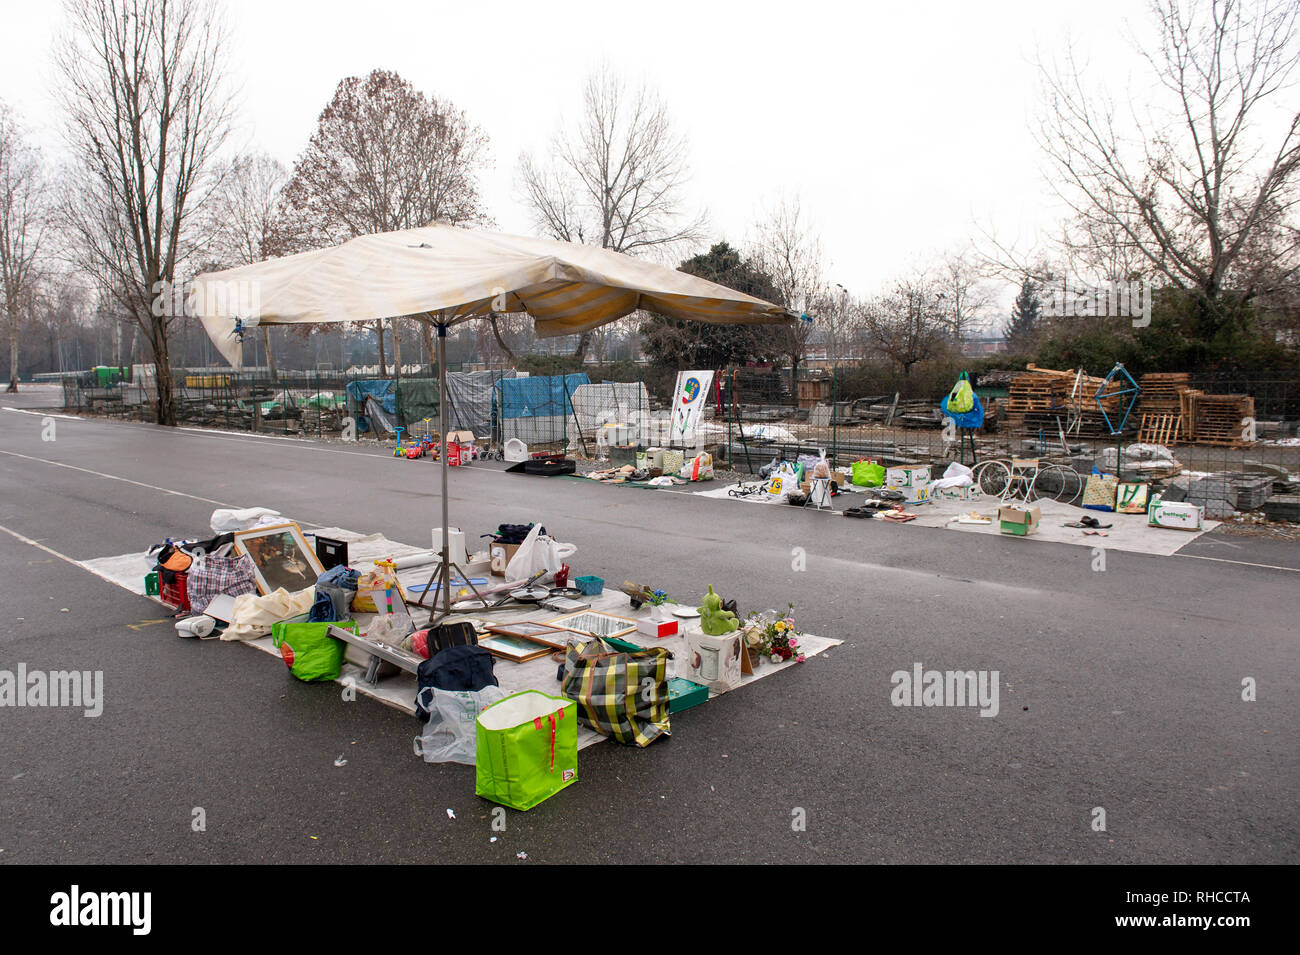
128	571
1129	532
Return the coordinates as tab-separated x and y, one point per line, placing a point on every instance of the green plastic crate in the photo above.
151	584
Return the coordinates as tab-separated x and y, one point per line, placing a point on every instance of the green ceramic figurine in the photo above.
713	619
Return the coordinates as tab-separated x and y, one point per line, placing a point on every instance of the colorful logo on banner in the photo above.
691	390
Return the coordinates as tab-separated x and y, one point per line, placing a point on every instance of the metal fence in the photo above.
752	415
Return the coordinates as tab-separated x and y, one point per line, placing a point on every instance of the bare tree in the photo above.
384	157
787	248
907	325
23	218
1192	184
142	86
964	291
616	178
243	214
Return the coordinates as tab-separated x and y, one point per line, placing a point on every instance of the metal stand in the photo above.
441	608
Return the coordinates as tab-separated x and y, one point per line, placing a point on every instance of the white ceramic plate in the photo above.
686	613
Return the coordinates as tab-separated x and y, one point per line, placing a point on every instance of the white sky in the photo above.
901	126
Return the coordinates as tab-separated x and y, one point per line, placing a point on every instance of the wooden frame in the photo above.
618	626
543	633
516	648
280	556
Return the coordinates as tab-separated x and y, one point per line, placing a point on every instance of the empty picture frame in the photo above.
596	623
543	633
518	649
281	557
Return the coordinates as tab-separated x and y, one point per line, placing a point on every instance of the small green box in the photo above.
683	694
151	584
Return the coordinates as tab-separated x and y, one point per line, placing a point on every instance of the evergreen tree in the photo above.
1024	316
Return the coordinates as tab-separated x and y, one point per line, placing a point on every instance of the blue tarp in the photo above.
540	397
380	388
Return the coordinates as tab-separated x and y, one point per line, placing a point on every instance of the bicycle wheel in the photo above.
1061	483
992	477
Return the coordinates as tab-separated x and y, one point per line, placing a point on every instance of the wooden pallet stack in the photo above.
1044	399
1160	408
1217	419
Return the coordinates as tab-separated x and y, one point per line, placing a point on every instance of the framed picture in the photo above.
518	649
281	557
544	633
596	623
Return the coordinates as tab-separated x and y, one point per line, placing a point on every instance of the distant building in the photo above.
984	345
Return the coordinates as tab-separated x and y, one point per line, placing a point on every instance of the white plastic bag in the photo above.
956	475
699	468
225	519
450	736
782	482
537	554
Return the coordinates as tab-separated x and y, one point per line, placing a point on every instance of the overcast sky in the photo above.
901	126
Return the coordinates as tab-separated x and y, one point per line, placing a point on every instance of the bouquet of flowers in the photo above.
774	637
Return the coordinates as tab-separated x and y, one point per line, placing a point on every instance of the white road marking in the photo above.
54	553
114	477
152	487
303	444
1244	563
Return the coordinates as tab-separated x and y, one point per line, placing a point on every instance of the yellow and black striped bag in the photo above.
623	695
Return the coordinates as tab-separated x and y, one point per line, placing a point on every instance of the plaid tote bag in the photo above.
620	695
212	576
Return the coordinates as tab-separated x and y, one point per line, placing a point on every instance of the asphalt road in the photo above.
1119	689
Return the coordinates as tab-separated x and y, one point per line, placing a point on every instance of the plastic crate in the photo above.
151	584
175	594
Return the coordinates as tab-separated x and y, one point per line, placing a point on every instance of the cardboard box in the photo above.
971	493
657	628
915	494
499	555
712	661
1018	521
1177	515
901	478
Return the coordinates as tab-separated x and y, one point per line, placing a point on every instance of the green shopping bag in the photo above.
868	474
309	651
527	749
962	398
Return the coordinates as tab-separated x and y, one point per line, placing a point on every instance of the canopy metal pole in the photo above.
442	571
445	576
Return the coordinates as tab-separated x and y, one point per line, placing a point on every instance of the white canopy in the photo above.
454	275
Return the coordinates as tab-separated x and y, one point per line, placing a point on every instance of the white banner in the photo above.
689	398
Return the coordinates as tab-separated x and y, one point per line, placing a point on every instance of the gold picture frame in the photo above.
280	556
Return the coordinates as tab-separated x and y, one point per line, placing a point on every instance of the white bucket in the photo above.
455	544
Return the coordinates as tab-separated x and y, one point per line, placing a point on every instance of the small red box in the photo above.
657	628
175	594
